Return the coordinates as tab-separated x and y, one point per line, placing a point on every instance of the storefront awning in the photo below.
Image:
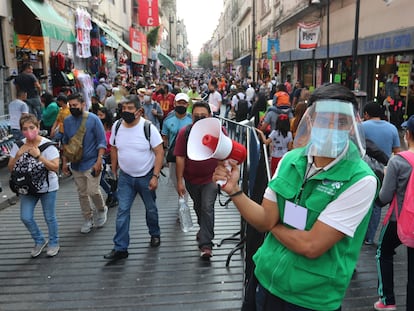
243	61
135	57
53	25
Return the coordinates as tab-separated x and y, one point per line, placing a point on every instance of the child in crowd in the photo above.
281	140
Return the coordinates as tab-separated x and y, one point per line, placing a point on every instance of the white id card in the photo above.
295	215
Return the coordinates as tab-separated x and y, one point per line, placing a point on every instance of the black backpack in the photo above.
29	174
242	110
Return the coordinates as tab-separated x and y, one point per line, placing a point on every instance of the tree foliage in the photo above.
205	60
152	36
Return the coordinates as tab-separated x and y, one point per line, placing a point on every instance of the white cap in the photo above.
102	80
181	96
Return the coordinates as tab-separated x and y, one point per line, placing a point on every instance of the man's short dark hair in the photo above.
62	97
133	99
76	96
373	110
25	66
334	91
202	104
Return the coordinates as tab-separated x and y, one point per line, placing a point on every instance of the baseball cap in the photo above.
141	91
181	96
409	124
102	80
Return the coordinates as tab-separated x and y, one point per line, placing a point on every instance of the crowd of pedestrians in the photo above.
318	209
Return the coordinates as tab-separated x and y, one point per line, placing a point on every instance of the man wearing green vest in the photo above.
316	210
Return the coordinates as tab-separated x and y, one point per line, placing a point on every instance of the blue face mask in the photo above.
327	142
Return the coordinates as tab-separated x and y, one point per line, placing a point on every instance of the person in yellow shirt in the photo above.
56	131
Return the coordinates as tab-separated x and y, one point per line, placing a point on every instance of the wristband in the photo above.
155	175
236	194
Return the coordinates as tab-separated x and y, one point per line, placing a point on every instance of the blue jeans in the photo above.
373	224
128	188
27	206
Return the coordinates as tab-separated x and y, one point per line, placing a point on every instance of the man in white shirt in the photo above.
214	98
17	108
140	161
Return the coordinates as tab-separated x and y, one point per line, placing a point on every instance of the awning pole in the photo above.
60	45
31	35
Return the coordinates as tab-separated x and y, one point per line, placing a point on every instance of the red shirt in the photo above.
166	102
195	172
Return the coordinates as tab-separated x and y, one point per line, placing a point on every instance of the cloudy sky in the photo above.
201	19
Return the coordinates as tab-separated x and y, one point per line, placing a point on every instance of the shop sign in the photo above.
273	47
308	35
148	13
404	70
138	41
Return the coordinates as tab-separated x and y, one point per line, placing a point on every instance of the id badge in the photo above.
295	215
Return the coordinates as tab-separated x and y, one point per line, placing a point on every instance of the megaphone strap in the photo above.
229	197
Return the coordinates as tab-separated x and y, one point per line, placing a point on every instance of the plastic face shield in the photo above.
325	124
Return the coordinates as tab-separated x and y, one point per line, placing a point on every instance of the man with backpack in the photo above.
152	110
398	182
140	161
240	105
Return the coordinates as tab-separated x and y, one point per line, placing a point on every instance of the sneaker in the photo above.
155	241
37	249
206	252
52	250
379	305
87	226
101	218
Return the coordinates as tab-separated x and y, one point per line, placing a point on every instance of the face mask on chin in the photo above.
327	142
127	116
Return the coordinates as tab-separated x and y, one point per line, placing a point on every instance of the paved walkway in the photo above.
171	277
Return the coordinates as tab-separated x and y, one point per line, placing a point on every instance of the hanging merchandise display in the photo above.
83	38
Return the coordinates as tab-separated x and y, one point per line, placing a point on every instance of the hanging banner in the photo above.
138	41
308	35
148	13
273	47
258	46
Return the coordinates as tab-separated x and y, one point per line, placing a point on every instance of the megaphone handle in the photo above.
222	183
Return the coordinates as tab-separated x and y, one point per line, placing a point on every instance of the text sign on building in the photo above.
148	13
308	35
138	41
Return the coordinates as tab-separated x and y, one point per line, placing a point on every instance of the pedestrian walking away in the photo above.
314	209
393	188
140	162
44	163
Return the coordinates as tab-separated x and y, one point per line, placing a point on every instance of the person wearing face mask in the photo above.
196	177
87	172
176	120
139	161
316	209
193	95
152	110
49	159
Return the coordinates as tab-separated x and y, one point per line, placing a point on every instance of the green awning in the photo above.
53	25
135	56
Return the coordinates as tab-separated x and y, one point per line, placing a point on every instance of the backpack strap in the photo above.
409	157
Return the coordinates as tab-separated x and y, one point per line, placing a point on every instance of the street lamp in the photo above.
171	21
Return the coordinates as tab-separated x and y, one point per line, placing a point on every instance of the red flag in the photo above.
148	13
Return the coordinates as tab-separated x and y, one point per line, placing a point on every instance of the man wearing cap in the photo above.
100	90
315	209
172	124
385	136
140	161
152	110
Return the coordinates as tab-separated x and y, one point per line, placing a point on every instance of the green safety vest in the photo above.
321	283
